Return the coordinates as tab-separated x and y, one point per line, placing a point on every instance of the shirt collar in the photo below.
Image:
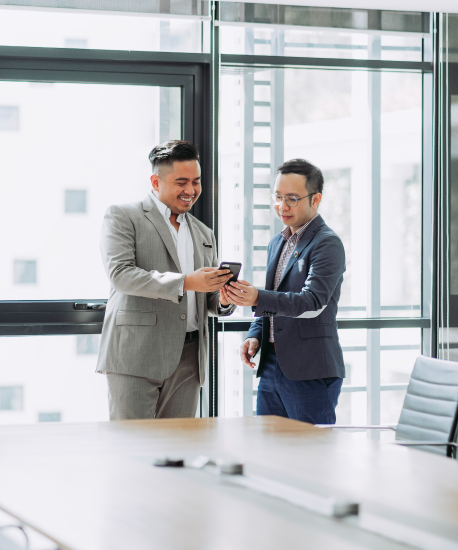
288	234
165	210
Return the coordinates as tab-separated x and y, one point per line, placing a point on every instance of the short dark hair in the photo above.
314	180
165	154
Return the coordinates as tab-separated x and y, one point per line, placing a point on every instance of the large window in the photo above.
364	129
81	147
75	133
86	94
98	137
326	117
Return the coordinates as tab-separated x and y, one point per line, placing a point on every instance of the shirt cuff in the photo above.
224	309
181	292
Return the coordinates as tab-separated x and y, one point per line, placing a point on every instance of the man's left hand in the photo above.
242	293
224	299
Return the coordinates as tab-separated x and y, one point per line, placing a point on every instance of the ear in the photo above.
316	200
155	182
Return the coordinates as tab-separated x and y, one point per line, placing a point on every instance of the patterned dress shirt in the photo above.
290	244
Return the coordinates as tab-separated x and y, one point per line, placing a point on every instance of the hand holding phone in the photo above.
234	267
205	279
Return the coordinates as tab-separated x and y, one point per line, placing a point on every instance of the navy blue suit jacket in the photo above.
304	306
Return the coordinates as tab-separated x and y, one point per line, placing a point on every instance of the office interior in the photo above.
367	91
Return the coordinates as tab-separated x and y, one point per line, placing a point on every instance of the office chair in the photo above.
429	416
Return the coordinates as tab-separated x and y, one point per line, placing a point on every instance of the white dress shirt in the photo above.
185	249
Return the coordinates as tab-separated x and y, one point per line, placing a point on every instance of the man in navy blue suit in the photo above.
301	364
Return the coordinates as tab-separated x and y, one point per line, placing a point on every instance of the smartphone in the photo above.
235	268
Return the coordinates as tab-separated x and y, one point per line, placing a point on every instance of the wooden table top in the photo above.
93	486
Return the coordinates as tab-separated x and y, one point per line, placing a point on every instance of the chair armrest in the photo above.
349	426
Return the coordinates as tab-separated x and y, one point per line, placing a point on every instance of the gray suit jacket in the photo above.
145	321
304	308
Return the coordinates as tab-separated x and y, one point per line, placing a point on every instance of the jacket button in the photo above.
183	317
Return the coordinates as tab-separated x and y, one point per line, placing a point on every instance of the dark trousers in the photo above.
311	401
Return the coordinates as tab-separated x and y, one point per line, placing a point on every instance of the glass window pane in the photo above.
324	116
87	344
448	344
391	403
399	350
353	344
47	379
102	31
352	408
401	137
80	148
237	382
337	44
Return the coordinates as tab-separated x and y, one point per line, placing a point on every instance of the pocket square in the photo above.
207	245
300	264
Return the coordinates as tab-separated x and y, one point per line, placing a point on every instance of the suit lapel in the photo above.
197	241
156	218
303	242
277	247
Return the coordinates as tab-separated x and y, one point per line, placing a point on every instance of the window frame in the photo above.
190	72
197	75
429	185
449	301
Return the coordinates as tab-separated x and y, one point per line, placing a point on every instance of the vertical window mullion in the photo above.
374	237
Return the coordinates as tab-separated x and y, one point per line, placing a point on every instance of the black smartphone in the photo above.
235	268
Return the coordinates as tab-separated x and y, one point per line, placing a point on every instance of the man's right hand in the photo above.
247	350
206	279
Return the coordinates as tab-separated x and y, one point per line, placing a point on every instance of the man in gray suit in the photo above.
301	364
162	267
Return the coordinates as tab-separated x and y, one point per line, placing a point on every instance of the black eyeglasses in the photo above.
290	200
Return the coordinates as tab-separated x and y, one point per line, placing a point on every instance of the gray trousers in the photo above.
132	397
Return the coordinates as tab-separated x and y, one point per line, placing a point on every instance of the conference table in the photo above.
94	486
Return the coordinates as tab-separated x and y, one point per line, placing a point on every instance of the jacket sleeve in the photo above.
117	245
213	297
327	265
255	330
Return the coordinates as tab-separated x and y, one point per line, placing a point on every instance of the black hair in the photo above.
314	180
165	154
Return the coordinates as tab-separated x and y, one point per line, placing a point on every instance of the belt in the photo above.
194	335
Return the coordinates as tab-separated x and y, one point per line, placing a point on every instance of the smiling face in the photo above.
178	186
293	185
